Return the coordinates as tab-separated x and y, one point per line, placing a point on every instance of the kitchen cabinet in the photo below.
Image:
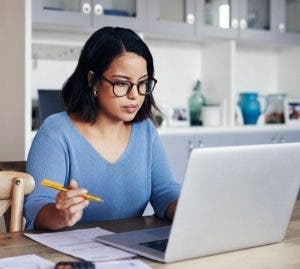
270	20
257	137
125	13
85	14
275	21
258	20
62	12
272	135
289	21
288	136
179	145
176	17
238	19
217	18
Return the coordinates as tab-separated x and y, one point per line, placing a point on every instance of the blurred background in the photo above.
219	63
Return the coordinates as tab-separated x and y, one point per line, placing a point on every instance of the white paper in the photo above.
81	244
125	264
25	262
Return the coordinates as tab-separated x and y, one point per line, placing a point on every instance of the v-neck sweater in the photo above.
141	174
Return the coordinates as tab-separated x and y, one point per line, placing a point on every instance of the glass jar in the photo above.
274	111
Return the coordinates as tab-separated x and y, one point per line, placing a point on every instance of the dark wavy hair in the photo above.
97	54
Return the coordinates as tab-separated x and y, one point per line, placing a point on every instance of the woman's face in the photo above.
128	67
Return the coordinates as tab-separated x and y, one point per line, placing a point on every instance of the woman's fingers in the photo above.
74	213
66	203
78	207
74	218
73	184
71	203
70	194
74	208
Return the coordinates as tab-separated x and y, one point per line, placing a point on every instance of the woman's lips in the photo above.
130	108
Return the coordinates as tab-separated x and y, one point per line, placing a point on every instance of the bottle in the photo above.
195	102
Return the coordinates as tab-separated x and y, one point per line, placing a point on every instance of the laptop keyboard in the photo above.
160	245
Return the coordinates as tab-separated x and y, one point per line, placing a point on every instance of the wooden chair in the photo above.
13	166
13	188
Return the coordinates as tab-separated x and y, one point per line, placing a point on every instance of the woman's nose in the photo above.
133	93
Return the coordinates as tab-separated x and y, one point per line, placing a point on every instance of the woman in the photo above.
105	142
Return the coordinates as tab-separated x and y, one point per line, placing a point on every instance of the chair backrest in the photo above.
19	166
50	102
13	187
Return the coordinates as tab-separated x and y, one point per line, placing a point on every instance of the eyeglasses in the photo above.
123	87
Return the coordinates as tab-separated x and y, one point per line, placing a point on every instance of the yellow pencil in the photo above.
55	185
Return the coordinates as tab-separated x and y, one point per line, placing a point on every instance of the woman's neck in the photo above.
103	127
108	127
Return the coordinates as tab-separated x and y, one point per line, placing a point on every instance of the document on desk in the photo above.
125	264
25	262
35	262
81	244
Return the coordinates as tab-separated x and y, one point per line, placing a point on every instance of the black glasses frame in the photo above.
130	86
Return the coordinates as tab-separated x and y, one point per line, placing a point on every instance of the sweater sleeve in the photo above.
46	159
165	189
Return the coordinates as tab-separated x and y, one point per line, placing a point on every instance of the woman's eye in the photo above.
144	82
121	83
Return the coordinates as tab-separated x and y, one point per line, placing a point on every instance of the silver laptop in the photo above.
231	198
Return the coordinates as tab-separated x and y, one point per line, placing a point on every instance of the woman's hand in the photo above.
70	204
171	210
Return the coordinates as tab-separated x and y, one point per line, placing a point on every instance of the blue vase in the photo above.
250	107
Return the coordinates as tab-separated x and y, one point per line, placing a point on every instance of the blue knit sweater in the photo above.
141	174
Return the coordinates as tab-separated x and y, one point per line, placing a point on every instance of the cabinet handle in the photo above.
200	144
86	8
98	9
273	140
243	24
190	18
191	146
281	139
234	24
281	27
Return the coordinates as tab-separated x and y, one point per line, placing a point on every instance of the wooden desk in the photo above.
282	255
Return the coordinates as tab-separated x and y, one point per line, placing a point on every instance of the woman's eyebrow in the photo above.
144	76
128	78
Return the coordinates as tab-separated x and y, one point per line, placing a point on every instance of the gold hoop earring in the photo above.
95	92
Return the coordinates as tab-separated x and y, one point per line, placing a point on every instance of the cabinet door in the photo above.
288	20
62	12
125	13
289	136
258	20
257	137
178	147
174	17
216	139
217	18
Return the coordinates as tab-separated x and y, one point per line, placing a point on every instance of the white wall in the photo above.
15	110
50	74
257	69
289	78
177	67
